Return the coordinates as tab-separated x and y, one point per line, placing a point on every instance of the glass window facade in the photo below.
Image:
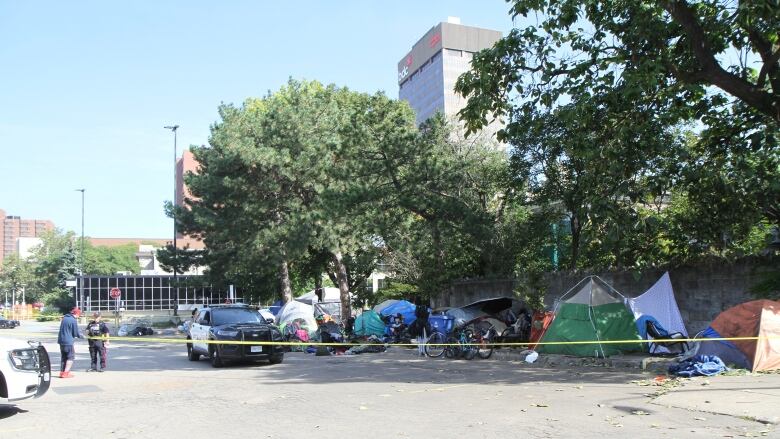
424	90
146	293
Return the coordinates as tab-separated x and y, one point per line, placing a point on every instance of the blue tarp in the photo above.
403	307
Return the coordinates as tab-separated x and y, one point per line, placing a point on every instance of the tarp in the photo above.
403	307
539	323
758	318
660	303
594	312
481	308
333	309
461	316
297	311
369	323
329	294
492	306
379	308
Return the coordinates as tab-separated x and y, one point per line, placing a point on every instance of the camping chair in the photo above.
664	338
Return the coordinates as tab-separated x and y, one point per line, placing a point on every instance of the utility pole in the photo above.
174	128
80	299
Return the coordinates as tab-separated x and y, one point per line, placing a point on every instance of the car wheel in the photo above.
191	354
216	360
276	359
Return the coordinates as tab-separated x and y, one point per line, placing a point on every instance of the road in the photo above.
152	390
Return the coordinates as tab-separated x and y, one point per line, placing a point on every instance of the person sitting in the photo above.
398	326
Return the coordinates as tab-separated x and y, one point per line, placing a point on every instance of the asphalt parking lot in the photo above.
151	390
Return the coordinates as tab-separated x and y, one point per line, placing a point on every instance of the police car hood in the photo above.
242	326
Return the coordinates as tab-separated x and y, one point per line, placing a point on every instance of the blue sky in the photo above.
86	87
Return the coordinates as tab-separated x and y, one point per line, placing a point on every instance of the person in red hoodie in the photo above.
69	332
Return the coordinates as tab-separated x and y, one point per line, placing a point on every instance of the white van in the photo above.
25	370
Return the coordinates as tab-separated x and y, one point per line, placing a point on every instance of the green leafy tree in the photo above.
55	261
16	275
275	183
443	201
107	261
614	74
672	51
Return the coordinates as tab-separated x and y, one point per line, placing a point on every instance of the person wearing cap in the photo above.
69	332
97	332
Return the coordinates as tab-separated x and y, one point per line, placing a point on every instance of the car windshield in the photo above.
235	315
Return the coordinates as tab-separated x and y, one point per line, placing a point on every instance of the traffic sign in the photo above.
115	293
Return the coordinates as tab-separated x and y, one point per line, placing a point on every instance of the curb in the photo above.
654	364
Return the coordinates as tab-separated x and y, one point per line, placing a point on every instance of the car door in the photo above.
200	331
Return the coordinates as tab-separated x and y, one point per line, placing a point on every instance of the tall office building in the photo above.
427	74
13	227
185	164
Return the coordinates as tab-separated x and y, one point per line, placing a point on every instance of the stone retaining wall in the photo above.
702	290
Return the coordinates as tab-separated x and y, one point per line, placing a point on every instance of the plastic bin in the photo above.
441	323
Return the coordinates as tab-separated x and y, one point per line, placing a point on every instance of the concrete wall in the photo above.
702	290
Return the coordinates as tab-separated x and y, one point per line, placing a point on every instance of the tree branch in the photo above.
711	70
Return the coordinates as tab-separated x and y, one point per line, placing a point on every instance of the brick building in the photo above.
13	227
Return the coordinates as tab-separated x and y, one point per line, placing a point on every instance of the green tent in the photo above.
595	312
369	323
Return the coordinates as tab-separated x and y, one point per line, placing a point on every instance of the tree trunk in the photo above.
284	280
343	284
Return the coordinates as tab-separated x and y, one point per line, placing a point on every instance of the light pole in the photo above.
174	128
80	298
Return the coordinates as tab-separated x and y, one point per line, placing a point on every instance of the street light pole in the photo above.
80	299
174	128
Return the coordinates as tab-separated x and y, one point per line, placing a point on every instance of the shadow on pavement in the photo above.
396	365
6	411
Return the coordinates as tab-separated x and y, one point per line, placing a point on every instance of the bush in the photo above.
49	316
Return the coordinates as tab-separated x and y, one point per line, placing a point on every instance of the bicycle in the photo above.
459	344
483	336
434	345
473	339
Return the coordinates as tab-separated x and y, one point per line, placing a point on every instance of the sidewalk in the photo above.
749	396
752	396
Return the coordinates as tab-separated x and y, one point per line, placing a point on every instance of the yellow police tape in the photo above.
505	344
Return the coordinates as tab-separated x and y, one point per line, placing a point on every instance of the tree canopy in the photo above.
658	140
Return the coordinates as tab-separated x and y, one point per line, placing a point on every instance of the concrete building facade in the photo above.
13	227
427	74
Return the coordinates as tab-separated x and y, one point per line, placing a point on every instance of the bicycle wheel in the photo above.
452	350
485	335
434	347
467	348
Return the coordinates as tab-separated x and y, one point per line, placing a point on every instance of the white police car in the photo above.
25	370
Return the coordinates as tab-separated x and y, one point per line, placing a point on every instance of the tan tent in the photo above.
759	318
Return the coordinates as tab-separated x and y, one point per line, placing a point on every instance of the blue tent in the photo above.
403	307
369	323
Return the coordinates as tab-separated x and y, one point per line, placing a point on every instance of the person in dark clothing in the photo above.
97	330
69	332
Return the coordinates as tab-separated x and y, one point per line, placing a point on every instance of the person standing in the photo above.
69	332
97	331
